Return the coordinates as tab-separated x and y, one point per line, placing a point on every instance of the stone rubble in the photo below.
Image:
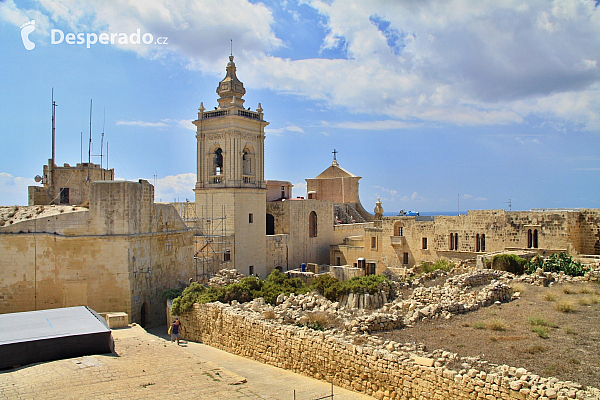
225	277
383	369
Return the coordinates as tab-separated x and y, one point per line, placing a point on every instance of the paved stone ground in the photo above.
148	366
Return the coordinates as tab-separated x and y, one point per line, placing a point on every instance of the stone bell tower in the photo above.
230	186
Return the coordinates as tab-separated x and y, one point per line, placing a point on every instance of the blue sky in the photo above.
427	100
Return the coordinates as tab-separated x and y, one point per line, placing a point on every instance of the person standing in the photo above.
175	330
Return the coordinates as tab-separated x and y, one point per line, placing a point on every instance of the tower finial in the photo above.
334	157
231	53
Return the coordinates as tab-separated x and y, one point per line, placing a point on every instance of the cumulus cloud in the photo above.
414	196
171	187
13	189
282	130
427	62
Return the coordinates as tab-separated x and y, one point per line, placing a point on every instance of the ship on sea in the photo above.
409	213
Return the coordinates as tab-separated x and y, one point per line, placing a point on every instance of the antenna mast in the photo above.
53	138
102	141
90	144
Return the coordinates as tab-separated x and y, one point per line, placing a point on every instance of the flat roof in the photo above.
48	324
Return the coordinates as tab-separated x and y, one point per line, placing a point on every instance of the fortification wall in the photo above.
375	371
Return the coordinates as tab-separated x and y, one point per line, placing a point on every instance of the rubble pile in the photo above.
225	277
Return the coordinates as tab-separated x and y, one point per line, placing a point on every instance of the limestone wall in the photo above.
118	256
576	231
377	371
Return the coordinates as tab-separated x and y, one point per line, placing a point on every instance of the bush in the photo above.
556	263
195	293
442	264
509	263
170	294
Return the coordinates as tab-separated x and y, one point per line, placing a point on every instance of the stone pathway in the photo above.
150	367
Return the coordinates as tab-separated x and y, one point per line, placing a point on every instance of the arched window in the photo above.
456	241
247	162
312	224
218	162
452	241
270	224
483	242
535	239
529	239
477	243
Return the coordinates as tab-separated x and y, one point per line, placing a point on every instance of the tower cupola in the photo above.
231	89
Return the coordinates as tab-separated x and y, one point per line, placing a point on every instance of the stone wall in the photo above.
385	372
118	256
572	231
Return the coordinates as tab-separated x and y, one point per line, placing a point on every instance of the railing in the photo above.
216	113
248	178
223	113
249	114
397	240
216	179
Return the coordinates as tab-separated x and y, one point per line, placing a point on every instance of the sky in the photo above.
437	105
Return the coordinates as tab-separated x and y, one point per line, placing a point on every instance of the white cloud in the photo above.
453	62
467	196
13	189
280	131
481	199
414	196
143	124
163	123
172	187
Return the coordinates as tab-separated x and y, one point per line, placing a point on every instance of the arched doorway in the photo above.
143	315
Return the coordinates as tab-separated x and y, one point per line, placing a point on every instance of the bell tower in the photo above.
230	184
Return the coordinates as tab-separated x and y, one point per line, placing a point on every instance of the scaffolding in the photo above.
213	242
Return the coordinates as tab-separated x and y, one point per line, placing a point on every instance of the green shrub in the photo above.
556	263
170	294
509	263
442	264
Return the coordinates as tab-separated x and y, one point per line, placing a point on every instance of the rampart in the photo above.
382	372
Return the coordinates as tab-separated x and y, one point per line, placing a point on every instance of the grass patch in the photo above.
574	361
570	331
479	325
565	306
569	290
493	338
550	296
538	321
496	325
540	331
535	349
518	287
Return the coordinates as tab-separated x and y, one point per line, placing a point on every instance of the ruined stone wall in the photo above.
377	371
